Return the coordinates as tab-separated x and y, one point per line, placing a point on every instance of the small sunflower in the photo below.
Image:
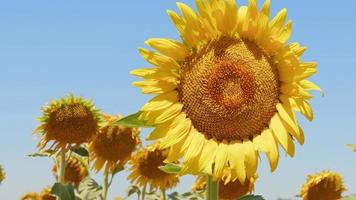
229	90
75	171
145	169
227	191
68	121
30	196
2	174
47	195
113	145
324	185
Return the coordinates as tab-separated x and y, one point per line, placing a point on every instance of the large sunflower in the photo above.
68	121
229	90
113	145
324	185
75	171
145	169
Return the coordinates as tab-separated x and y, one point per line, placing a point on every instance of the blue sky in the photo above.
50	48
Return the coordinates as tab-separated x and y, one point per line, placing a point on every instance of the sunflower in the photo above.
30	196
227	191
113	145
324	185
229	91
145	169
68	121
2	174
75	171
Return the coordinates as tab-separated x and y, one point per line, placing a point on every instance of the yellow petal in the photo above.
295	90
151	86
196	145
220	160
161	130
158	59
266	143
285	33
251	158
278	21
282	135
168	47
161	116
299	105
266	8
208	156
161	101
177	133
308	85
231	14
236	161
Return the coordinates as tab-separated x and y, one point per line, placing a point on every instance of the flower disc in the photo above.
229	89
113	144
75	171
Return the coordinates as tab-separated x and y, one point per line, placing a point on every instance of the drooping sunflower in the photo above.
227	191
2	174
68	121
75	171
113	145
44	195
145	169
324	185
229	90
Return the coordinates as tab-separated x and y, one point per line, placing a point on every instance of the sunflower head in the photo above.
145	169
46	194
113	145
2	174
75	171
67	121
231	190
30	196
324	185
229	91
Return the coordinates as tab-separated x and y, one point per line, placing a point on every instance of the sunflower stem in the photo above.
213	189
106	185
62	165
163	195
143	193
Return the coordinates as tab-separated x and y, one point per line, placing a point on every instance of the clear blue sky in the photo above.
50	48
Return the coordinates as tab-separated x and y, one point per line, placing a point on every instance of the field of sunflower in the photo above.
225	104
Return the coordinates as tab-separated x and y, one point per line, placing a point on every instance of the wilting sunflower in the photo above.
75	171
324	185
2	174
44	195
68	121
145	169
229	90
229	191
113	145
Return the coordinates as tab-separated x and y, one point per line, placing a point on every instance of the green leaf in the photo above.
47	153
352	146
82	151
63	191
252	197
171	168
133	189
133	121
350	197
89	189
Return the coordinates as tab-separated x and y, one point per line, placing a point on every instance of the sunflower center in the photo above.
149	165
73	123
229	89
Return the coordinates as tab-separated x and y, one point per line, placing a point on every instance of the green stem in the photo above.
213	189
62	165
106	185
163	195
143	193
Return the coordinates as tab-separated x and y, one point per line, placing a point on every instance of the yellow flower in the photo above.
229	91
68	121
30	196
227	191
75	171
2	174
145	169
113	145
324	185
